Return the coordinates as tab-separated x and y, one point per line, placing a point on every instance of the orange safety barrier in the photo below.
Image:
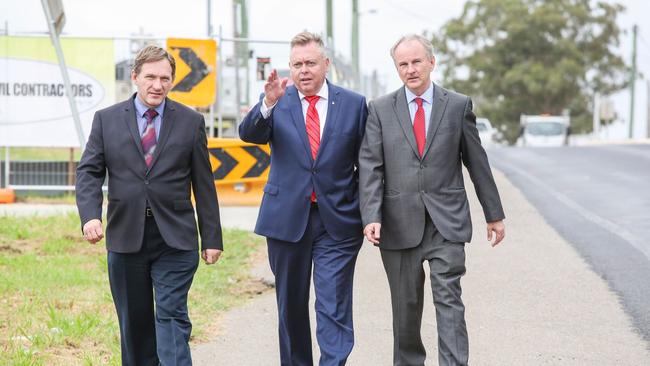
240	170
7	195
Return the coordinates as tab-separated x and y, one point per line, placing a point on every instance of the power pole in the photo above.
244	50
210	36
235	33
635	29
648	108
329	21
355	44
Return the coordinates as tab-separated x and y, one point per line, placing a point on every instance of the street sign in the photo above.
196	63
235	161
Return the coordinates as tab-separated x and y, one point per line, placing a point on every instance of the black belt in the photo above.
148	212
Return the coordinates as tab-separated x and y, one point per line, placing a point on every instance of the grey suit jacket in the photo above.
398	188
180	165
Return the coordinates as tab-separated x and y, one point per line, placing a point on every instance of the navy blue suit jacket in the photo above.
333	174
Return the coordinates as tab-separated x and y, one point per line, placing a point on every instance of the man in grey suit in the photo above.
413	200
155	153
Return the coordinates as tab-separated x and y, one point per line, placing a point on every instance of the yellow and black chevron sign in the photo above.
235	161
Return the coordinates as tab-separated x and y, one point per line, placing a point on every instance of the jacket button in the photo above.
146	181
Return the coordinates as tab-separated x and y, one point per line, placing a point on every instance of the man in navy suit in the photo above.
310	210
155	152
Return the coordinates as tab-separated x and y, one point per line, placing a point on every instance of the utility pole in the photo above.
596	118
635	29
244	49
330	28
648	108
355	44
235	28
210	35
55	23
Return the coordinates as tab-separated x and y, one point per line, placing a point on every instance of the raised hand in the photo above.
274	88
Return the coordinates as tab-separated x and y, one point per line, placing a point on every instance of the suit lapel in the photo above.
132	126
165	128
295	108
440	99
404	118
331	120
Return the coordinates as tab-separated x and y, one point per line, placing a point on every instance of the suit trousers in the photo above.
406	281
161	272
333	269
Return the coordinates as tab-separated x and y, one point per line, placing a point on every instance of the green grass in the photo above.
41	153
55	302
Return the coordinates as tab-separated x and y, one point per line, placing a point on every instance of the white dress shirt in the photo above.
321	107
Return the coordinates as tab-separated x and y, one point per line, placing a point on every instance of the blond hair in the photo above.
305	38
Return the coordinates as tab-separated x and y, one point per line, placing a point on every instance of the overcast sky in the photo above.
278	20
381	23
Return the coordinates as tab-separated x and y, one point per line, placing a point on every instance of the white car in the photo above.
486	132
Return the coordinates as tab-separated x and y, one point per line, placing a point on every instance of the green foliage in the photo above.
55	302
531	57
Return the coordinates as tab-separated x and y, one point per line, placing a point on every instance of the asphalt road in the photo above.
598	199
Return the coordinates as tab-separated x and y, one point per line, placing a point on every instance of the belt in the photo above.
148	212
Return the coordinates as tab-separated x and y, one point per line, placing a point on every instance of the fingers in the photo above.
93	231
210	256
499	230
272	76
283	83
372	232
500	234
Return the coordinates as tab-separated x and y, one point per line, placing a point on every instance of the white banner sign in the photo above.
34	109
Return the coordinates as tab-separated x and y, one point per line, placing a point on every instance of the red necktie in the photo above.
313	125
148	138
418	126
313	130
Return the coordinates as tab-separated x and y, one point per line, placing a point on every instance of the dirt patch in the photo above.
21	246
9	249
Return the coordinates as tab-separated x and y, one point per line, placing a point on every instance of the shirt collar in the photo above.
141	108
427	96
323	93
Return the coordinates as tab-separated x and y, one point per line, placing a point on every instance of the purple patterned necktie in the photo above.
149	137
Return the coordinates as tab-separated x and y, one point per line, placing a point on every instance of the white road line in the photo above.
612	227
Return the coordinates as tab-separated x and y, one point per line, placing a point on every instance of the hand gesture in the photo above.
274	88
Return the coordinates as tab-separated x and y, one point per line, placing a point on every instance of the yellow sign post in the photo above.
196	64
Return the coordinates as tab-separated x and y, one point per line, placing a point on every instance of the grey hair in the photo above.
428	47
305	38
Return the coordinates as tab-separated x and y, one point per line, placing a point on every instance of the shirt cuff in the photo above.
266	111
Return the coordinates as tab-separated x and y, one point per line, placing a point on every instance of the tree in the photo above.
531	57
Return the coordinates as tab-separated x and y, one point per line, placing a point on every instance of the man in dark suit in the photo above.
413	199
155	153
310	210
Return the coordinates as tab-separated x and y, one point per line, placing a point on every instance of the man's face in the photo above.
308	68
414	66
154	82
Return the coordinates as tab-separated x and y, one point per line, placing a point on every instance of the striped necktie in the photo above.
149	137
313	130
